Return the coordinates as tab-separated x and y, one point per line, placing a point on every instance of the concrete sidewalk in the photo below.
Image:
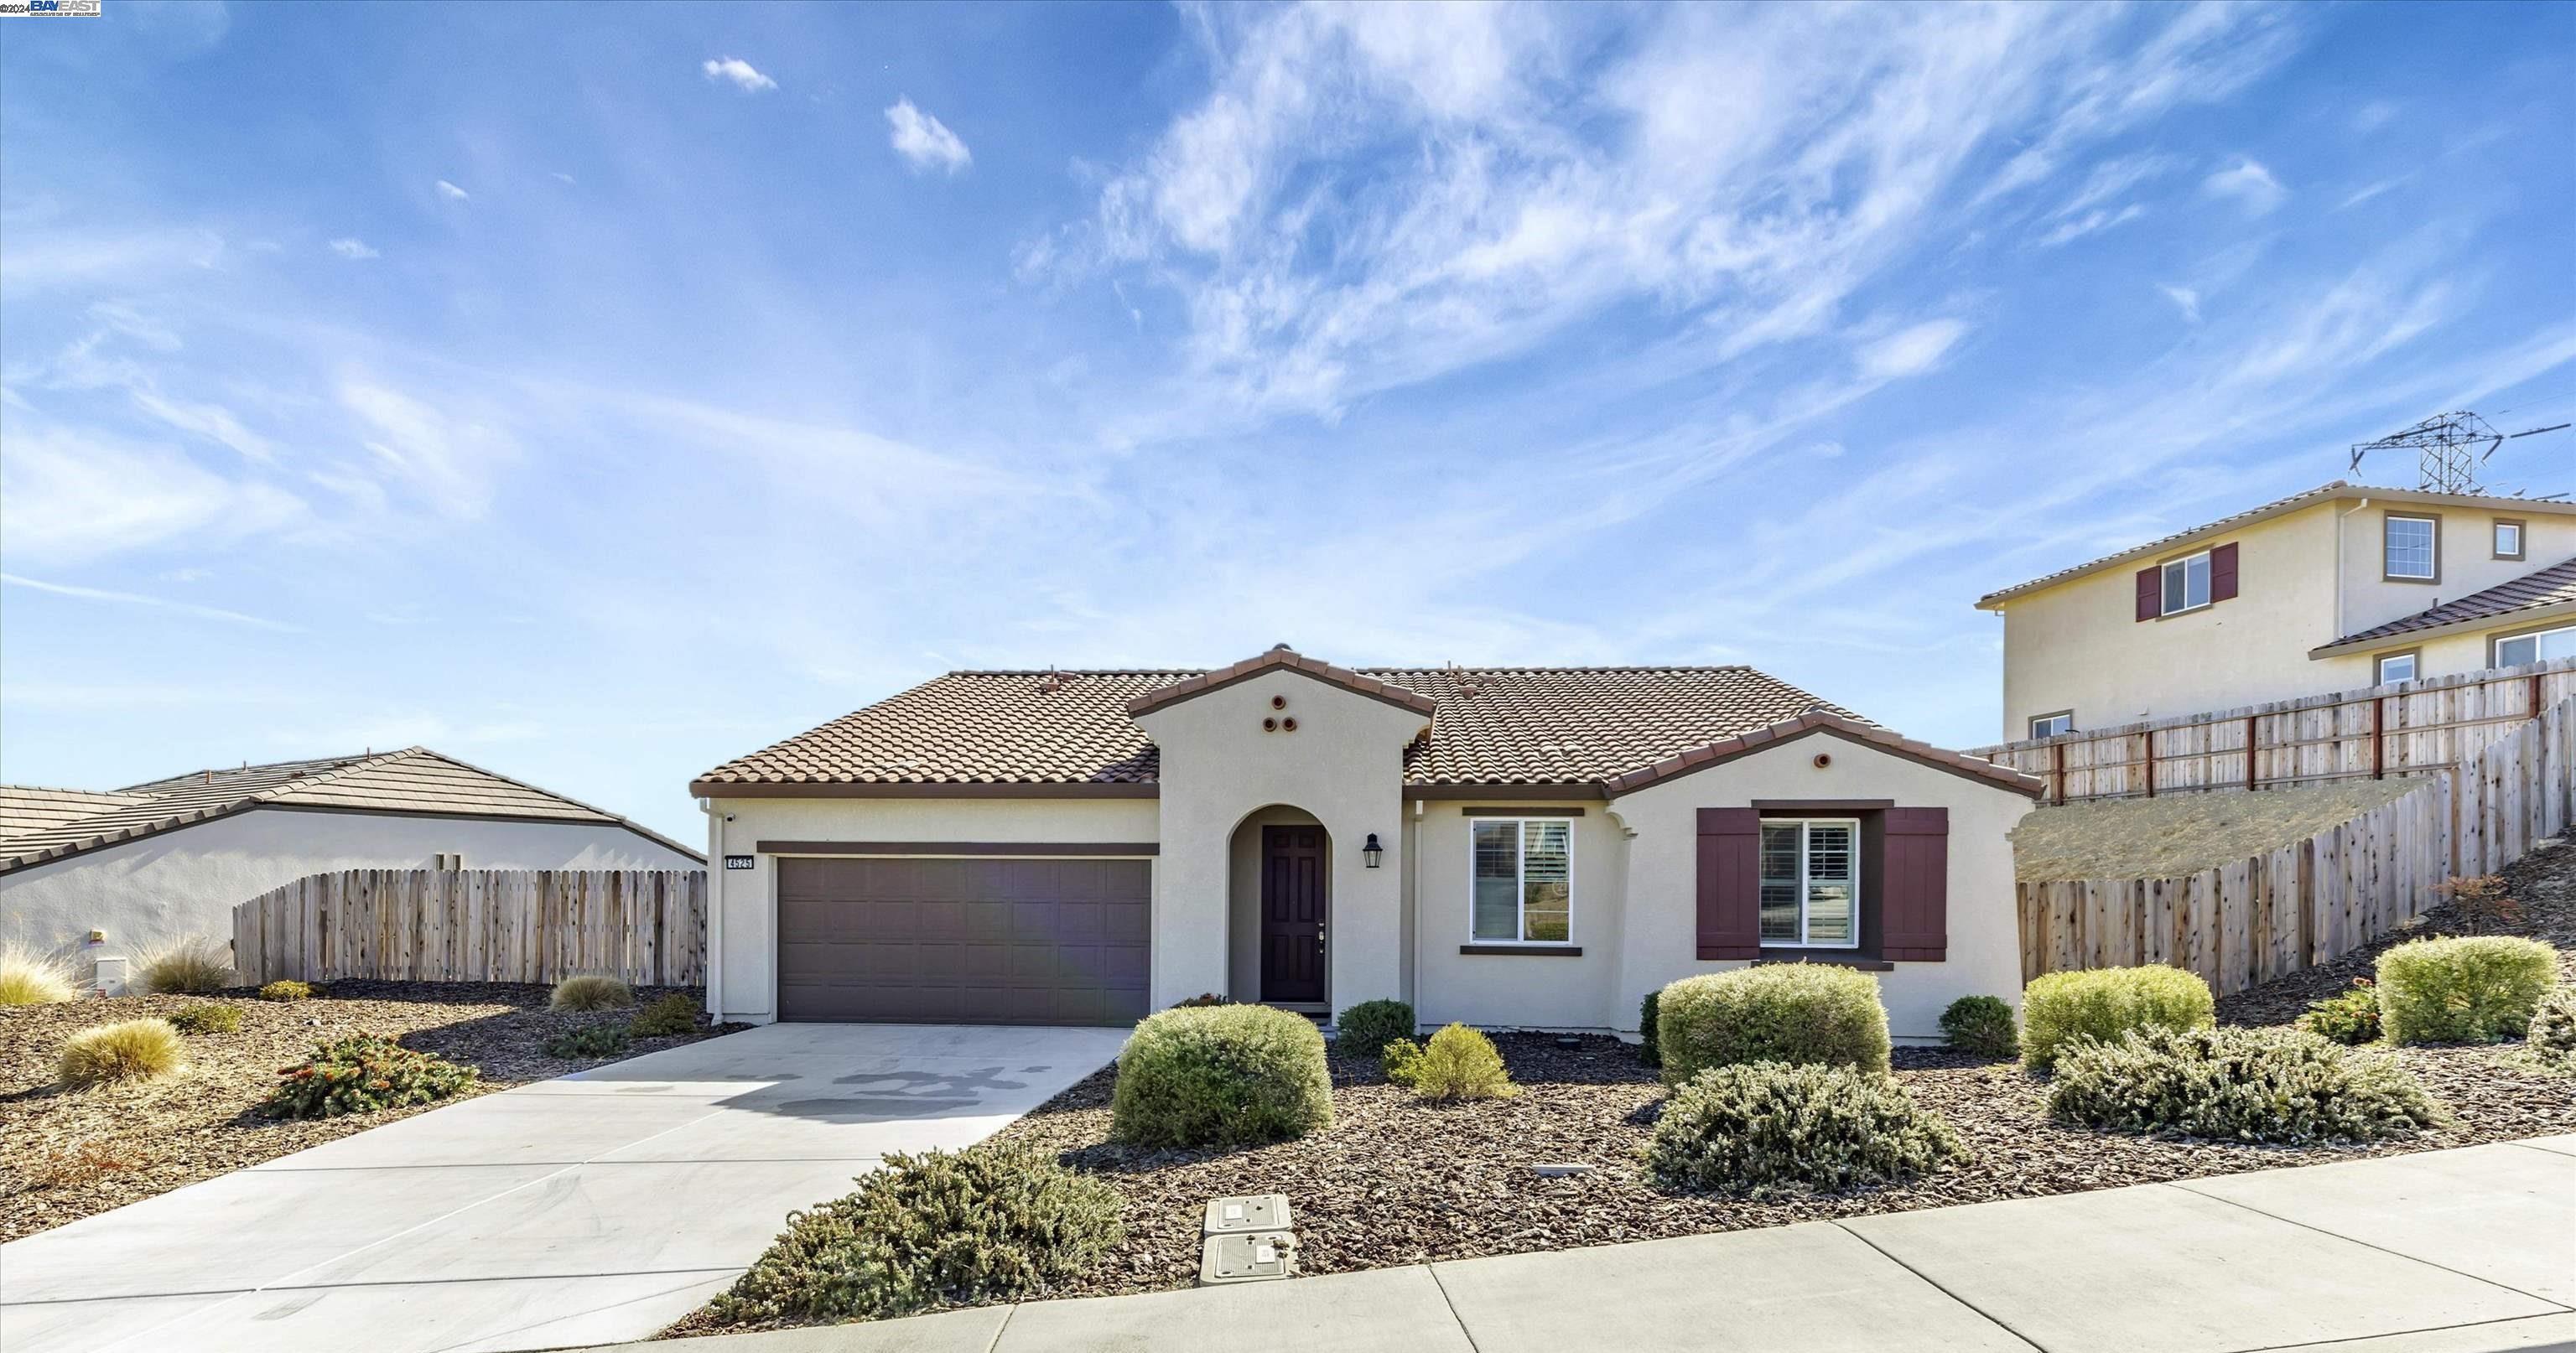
2464	1251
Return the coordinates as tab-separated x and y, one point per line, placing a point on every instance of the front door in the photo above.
1292	913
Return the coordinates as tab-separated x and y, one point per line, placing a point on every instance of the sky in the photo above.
595	394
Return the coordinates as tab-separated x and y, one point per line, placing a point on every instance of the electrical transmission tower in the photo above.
2449	448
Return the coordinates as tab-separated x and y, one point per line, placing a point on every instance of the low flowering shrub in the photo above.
1982	1025
591	991
207	1019
1766	1127
286	989
1369	1026
364	1073
668	1017
590	1040
31	978
133	1050
2247	1085
1225	1075
937	1229
2104	1003
1461	1063
2552	1036
2349	1017
189	967
2464	989
1776	1012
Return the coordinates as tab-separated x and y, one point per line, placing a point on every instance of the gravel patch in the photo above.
68	1154
2184	833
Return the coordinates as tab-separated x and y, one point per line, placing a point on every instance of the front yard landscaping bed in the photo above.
67	1154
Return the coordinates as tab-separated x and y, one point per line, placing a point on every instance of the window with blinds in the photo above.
1811	883
1521	874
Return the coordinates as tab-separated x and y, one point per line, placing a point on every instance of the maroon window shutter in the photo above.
1730	883
2222	573
1914	889
2151	593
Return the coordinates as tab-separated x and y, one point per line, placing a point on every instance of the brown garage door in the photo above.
971	941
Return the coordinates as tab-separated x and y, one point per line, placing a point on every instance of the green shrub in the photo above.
1204	998
2349	1017
30	978
2104	1003
591	991
207	1019
1650	1052
189	967
669	1017
1370	1025
985	1224
286	989
2552	1037
1461	1063
1982	1025
361	1074
1774	1012
1762	1127
2466	989
1403	1062
1224	1075
131	1050
2233	1084
590	1040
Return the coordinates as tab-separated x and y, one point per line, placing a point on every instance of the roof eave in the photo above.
2361	643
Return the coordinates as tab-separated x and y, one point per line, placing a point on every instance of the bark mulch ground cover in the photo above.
67	1154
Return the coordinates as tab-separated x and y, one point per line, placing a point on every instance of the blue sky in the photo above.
596	394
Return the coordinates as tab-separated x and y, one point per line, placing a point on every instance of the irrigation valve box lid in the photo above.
1247	1257
1259	1212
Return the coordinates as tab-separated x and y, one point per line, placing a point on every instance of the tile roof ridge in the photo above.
369	761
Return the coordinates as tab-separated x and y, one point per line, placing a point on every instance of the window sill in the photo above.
1831	958
1529	950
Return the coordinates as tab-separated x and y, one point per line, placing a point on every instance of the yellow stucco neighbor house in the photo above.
2341	587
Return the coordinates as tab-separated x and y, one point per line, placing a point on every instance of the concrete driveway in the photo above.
596	1207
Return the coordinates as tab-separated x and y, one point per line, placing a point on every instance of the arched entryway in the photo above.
1279	909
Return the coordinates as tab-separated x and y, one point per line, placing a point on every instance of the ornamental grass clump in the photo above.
2465	989
1369	1026
364	1073
2249	1085
1802	1013
669	1017
591	991
136	1049
2104	1003
1982	1025
1226	1075
982	1225
191	967
31	978
212	1018
1765	1127
1461	1063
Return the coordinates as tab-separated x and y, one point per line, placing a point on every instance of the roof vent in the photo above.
1050	683
1281	648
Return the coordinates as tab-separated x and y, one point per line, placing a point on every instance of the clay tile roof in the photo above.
1938	758
412	780
2551	586
1073	731
1279	656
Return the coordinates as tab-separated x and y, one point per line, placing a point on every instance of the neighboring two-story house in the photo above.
2341	587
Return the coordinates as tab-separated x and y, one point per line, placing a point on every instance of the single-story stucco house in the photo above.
169	860
1521	847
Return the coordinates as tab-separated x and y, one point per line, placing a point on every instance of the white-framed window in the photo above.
2396	667
2187	583
2410	546
1811	883
2050	725
2540	647
2508	539
1520	880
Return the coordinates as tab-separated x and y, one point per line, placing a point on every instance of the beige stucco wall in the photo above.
744	904
185	883
1659	942
2467	561
1344	764
1551	991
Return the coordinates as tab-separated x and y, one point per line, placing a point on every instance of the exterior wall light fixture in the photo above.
1372	853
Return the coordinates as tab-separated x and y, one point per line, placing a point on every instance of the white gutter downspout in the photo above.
715	910
2340	626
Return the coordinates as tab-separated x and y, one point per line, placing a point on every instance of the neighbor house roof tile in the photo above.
2551	586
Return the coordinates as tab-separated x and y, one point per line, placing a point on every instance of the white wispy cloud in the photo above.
924	141
349	246
737	72
1911	351
2185	299
451	192
2249	184
71	495
140	599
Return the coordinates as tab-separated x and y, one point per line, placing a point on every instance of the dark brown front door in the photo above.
1292	913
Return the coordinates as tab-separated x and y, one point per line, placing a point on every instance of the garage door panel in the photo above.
1008	940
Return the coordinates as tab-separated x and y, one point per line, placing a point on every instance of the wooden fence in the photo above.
2419	727
2255	919
478	925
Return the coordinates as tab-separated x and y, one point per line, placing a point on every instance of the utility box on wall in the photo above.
109	980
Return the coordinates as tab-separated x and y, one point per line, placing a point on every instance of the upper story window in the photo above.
2187	583
2397	667
2411	548
1522	878
2050	725
1811	883
2508	538
2537	647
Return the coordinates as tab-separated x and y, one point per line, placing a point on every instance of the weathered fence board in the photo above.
478	925
2252	920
